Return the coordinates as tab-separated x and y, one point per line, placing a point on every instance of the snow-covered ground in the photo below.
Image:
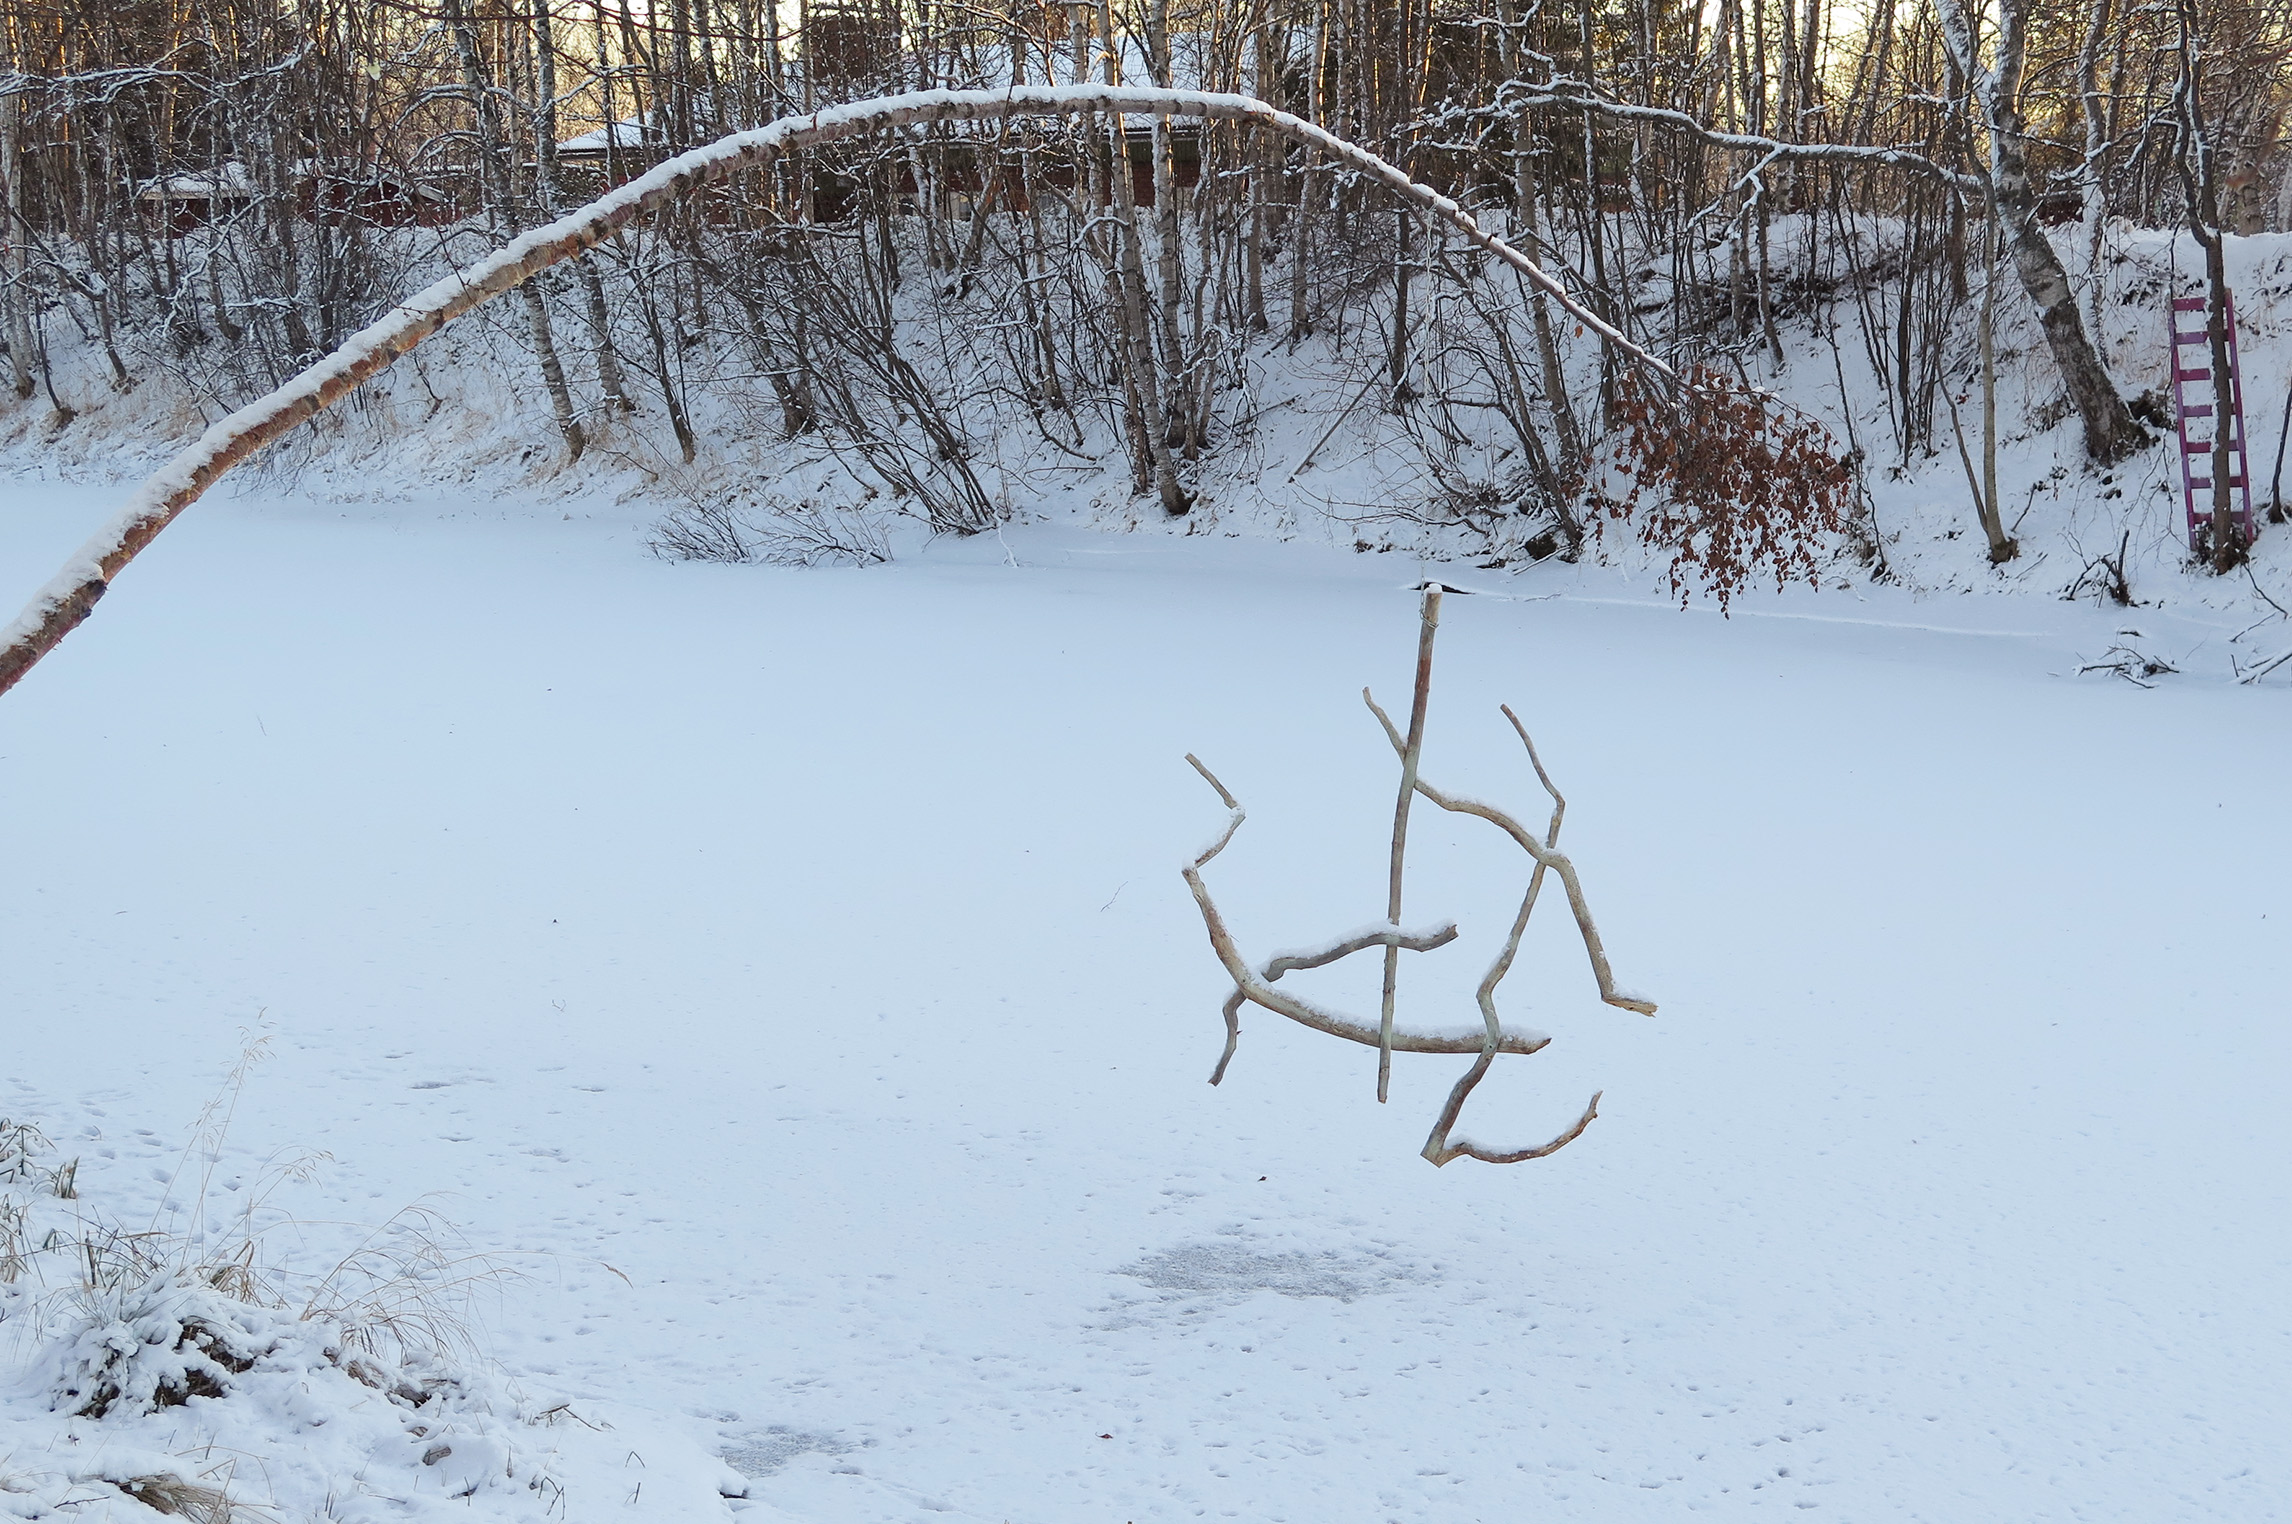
1304	450
790	973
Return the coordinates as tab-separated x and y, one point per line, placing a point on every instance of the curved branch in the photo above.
1258	990
1289	963
1573	95
1545	857
1438	1150
71	595
1465	1148
1361	941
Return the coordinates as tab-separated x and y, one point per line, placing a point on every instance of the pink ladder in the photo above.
2193	372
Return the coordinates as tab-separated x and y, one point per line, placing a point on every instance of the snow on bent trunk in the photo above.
71	594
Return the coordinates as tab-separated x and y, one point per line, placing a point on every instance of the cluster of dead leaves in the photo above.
1729	482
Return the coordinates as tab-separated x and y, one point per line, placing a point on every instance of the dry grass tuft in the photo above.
178	1308
181	1499
15	1250
23	1147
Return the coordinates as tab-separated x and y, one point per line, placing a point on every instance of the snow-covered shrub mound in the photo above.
151	1372
160	1342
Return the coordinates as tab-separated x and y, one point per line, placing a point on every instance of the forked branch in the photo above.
1256	986
1545	857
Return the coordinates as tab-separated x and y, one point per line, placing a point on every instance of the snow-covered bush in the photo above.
158	1342
188	1372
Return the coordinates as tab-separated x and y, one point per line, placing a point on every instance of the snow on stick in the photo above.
71	595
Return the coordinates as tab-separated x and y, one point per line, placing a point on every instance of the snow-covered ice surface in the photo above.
790	972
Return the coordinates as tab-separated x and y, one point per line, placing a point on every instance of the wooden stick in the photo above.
1544	856
1428	624
1438	1149
1261	991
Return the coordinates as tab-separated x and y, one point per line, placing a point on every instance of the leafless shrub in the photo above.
2278	613
872	393
813	535
704	531
2104	575
806	533
2131	663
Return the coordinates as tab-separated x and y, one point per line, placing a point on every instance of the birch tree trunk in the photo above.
493	152
1524	222
609	379
2002	548
1153	419
15	270
2111	433
2089	182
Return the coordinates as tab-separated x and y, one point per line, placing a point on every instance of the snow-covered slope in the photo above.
1306	452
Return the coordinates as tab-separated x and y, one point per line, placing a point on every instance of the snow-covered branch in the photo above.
1572	95
1544	854
71	595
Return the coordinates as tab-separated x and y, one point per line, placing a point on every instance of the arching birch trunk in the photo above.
71	594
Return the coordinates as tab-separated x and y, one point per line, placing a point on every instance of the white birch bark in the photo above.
2110	430
14	270
68	597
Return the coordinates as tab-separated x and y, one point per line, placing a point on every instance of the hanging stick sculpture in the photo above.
1257	986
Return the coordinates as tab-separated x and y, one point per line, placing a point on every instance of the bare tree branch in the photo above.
71	595
1257	987
1411	751
1574	95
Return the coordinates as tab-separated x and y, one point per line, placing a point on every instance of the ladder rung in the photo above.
2188	304
2193	375
2197	410
2199	337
